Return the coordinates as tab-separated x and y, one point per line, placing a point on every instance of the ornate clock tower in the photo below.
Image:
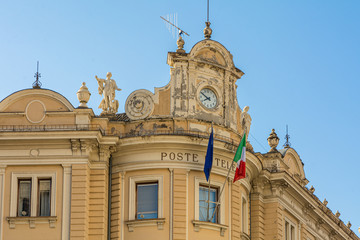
202	86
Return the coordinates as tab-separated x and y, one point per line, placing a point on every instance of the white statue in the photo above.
107	88
245	121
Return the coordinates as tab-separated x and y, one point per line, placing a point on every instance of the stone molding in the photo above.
159	222
209	225
32	221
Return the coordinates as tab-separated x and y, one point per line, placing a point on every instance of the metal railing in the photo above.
52	128
130	134
191	133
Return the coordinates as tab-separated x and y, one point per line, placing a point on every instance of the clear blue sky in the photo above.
301	60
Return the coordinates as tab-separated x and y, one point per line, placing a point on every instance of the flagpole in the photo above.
208	205
222	189
208	202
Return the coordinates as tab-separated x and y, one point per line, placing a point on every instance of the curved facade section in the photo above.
175	164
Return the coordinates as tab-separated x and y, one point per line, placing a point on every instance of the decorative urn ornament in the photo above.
180	43
83	95
273	141
207	30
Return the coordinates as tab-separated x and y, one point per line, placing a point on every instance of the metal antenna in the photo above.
207	29
287	137
207	10
180	30
37	83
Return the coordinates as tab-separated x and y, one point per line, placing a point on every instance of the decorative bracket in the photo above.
31	221
307	208
278	187
258	185
75	146
319	223
87	146
105	150
332	235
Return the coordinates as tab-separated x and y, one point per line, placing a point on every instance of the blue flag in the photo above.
209	156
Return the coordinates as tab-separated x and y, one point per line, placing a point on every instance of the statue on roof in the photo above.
107	88
245	121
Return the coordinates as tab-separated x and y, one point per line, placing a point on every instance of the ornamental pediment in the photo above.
35	106
210	55
294	163
214	53
52	101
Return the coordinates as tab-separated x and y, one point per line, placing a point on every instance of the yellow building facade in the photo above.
66	173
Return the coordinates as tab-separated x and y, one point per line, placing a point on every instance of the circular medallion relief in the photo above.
35	111
139	104
34	152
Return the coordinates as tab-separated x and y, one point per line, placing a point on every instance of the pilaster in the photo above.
2	185
180	89
80	181
115	230
98	203
235	211
258	209
65	231
273	221
179	208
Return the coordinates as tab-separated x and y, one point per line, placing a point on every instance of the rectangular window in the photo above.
290	230
207	205
32	194
44	197
24	197
146	200
146	197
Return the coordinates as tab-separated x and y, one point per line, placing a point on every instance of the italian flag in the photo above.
240	160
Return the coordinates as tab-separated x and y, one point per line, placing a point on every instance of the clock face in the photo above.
208	98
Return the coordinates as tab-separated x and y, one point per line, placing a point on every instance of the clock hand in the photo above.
207	98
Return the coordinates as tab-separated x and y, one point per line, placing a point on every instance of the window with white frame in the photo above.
290	230
146	197
209	208
208	197
147	200
32	194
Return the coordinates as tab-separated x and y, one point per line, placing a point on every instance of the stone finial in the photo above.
312	189
325	202
83	95
180	43
273	141
207	30
349	224
337	214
